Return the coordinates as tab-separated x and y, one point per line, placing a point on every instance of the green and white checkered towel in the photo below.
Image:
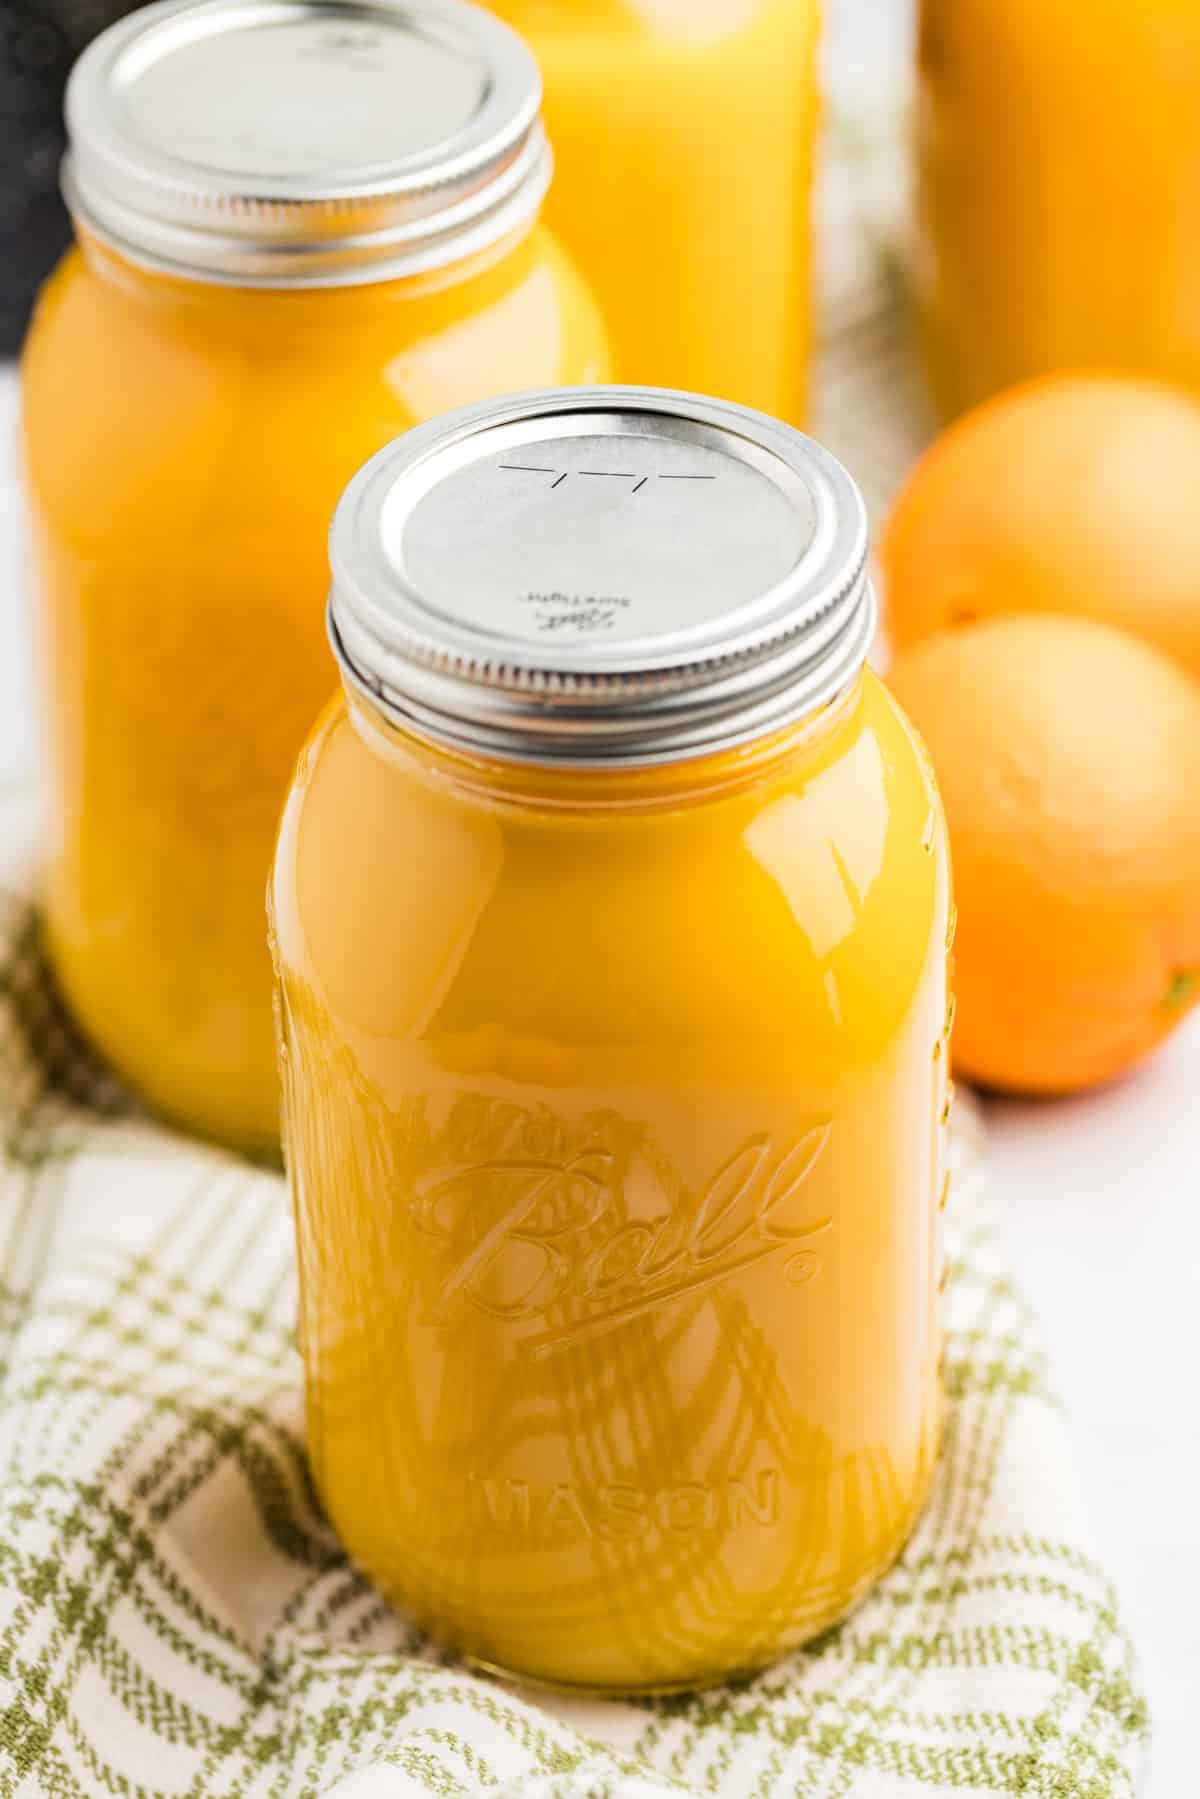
177	1619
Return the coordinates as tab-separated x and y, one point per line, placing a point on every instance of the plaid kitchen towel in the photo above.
176	1618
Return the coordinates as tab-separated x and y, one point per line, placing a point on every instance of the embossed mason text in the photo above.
565	1509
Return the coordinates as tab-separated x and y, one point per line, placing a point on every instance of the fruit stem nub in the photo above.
1182	988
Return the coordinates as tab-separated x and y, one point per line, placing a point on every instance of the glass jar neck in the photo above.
611	787
299	306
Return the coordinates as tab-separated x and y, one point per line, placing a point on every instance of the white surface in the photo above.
1099	1199
866	43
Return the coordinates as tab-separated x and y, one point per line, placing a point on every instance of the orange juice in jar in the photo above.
610	916
684	131
1059	149
300	232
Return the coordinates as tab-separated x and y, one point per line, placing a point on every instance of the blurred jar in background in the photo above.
1059	189
683	132
299	235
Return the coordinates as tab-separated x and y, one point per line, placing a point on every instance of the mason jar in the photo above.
300	231
610	917
686	133
1058	154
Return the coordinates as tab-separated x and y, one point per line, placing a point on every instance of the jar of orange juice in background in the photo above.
1059	184
610	913
300	232
683	131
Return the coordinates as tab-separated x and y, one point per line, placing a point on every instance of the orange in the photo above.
1068	755
1076	493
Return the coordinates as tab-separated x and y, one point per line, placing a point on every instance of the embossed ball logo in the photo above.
526	1239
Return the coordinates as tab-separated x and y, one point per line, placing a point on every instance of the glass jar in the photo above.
1059	150
610	915
276	274
684	134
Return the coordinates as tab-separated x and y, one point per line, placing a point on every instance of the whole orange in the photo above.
1068	755
1074	493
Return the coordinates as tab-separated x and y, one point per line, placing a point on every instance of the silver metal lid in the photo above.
612	574
285	143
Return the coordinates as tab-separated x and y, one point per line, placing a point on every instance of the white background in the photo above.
1099	1199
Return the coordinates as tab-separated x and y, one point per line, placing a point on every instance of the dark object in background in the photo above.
39	40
